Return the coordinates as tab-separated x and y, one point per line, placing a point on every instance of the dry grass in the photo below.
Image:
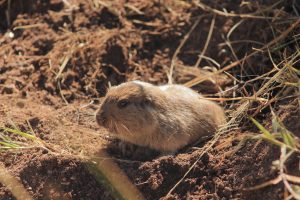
281	79
284	75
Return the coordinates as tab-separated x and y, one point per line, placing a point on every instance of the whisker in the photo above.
113	125
126	129
117	128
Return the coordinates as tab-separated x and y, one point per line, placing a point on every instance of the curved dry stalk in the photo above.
283	158
225	14
174	58
238	98
210	32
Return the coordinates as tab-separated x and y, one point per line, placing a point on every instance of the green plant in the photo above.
287	142
8	142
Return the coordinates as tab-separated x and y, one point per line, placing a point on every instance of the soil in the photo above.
57	58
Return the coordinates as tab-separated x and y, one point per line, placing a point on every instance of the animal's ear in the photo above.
109	87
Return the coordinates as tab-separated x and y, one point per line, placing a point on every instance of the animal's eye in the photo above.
146	102
123	103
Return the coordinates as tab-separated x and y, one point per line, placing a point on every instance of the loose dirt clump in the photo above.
58	57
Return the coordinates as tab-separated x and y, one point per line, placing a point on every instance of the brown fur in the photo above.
164	118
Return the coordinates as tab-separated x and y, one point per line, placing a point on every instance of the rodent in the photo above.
165	118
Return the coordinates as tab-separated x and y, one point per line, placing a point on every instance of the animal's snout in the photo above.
101	117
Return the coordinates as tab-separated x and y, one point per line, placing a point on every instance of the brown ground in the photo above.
114	41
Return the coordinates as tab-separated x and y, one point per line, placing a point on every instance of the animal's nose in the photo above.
101	117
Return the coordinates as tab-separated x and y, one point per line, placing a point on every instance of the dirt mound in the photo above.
58	57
